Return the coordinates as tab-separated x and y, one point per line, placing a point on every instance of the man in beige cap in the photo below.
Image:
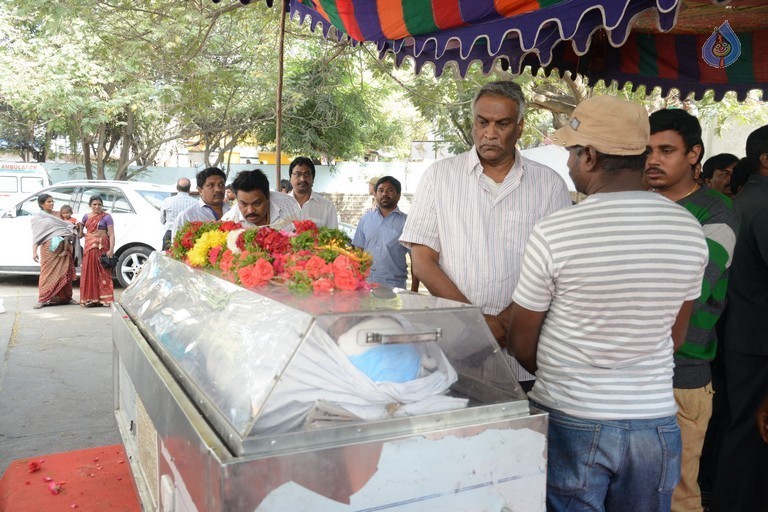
372	205
603	300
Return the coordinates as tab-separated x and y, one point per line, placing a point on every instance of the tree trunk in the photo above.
207	151
122	166
100	157
44	152
87	158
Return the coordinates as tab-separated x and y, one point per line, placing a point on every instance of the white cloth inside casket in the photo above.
321	372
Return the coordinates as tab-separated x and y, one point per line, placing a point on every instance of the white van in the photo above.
20	179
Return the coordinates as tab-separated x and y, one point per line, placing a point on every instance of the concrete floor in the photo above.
55	375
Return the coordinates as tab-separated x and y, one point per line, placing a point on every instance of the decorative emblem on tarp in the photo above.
465	31
668	61
722	48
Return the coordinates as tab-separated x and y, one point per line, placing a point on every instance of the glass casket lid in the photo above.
269	362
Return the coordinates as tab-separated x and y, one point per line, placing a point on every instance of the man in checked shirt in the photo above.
172	207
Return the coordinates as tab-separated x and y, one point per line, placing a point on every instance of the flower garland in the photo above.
308	259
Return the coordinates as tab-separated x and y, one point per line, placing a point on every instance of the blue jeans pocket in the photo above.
572	447
671	448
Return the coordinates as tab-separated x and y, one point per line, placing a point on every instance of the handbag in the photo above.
108	262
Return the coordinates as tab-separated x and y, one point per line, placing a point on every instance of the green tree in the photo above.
332	104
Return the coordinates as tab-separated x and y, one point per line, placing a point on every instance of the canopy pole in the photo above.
279	109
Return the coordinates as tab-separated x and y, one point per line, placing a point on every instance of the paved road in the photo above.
55	375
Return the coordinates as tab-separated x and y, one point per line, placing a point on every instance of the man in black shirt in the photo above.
742	473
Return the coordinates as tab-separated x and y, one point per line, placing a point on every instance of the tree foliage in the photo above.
332	104
121	79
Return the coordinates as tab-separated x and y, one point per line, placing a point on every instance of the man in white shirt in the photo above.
256	205
471	215
313	206
211	207
172	207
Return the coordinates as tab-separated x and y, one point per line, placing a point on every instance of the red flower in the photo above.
304	225
273	241
227	259
345	279
188	240
315	267
323	285
33	466
240	243
279	263
213	255
229	225
294	262
342	261
257	274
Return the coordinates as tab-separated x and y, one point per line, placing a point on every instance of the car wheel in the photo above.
129	264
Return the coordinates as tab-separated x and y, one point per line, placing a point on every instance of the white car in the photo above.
135	208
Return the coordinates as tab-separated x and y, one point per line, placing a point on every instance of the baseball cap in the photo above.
611	125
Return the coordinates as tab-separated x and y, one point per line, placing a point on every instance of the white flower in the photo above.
232	241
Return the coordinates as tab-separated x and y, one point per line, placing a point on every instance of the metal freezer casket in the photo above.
230	399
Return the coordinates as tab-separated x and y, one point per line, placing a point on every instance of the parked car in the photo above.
349	229
135	208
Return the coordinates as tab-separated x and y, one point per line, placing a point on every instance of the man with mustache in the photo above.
471	215
717	172
211	207
378	232
256	205
675	149
313	206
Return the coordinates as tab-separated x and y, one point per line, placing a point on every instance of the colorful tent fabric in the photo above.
465	31
620	40
669	61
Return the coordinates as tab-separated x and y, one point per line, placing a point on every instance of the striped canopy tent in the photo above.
681	59
621	40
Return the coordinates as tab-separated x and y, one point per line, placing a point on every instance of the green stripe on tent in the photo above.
647	48
418	17
550	3
333	14
741	71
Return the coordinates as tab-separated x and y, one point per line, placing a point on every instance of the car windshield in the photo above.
154	197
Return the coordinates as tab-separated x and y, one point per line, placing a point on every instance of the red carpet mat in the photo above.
96	479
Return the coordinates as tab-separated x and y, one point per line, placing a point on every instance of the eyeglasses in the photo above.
307	174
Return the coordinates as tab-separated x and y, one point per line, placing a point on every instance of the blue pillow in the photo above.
389	363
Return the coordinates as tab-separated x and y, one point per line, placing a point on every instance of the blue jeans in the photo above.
611	465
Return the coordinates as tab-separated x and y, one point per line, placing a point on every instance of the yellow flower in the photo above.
198	255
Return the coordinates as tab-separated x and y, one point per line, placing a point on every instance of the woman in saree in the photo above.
54	238
96	287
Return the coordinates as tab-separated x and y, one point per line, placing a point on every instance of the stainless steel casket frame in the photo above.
186	345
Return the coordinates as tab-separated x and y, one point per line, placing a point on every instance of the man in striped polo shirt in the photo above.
604	297
472	214
676	148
